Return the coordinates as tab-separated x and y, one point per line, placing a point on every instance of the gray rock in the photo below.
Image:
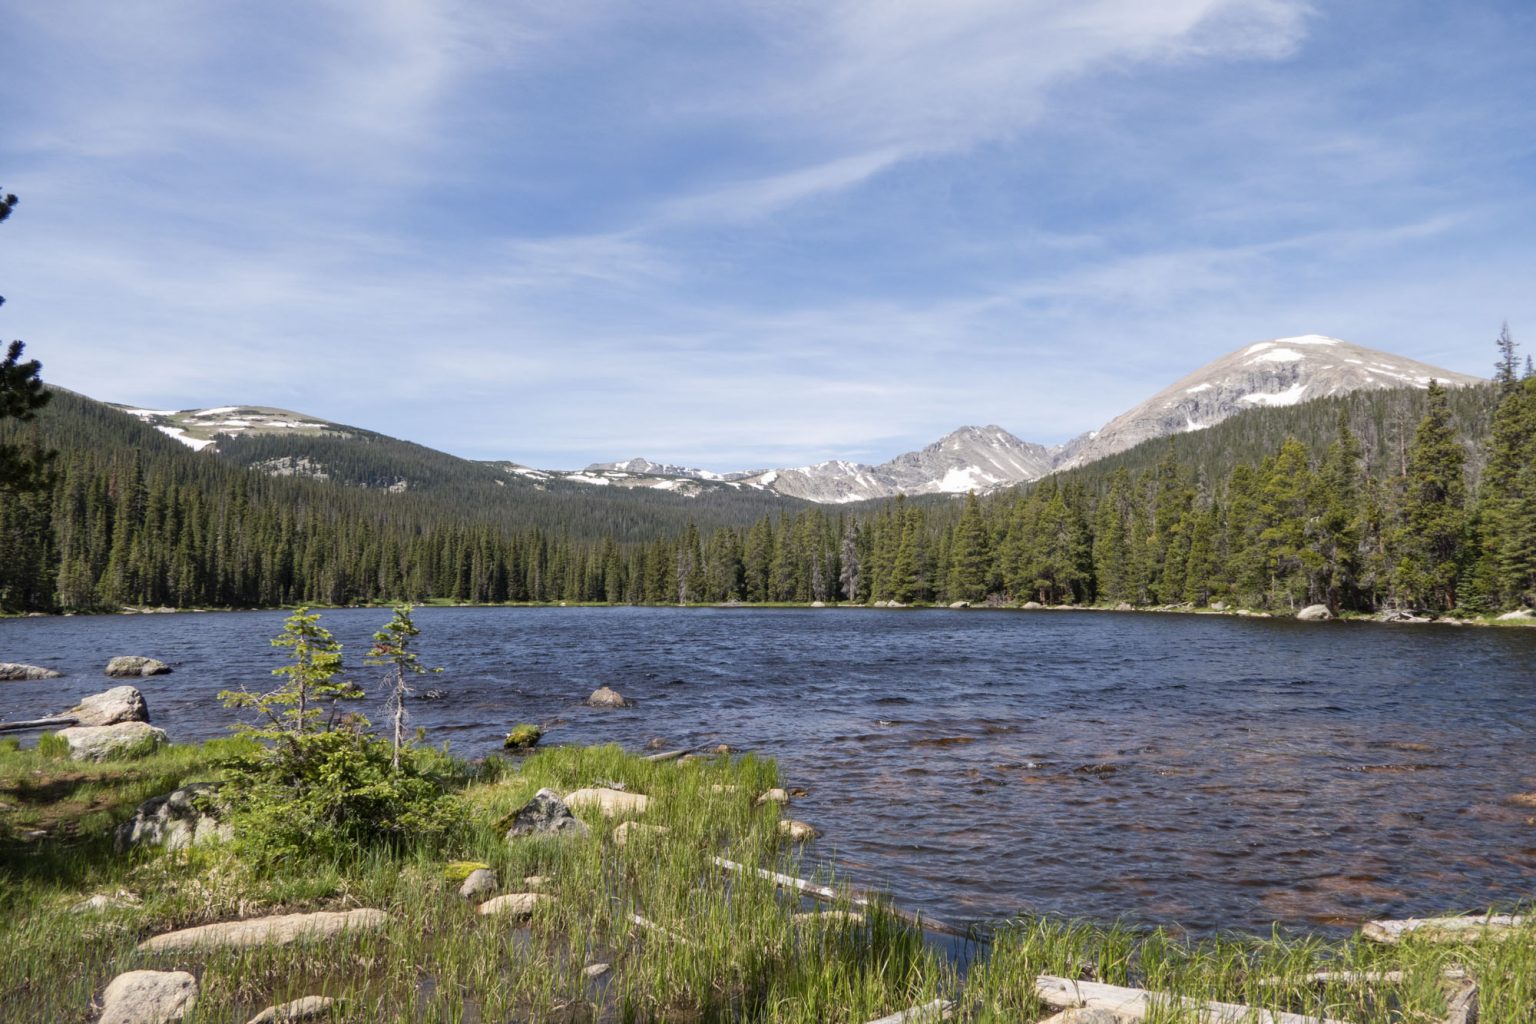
1218	606
103	902
133	665
184	817
1032	604
1124	606
1314	613
596	970
545	815
110	707
518	905
818	604
960	604
603	697
481	882
12	672
148	997
113	742
278	930
1519	613
306	1008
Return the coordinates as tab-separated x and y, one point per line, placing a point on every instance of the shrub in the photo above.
329	793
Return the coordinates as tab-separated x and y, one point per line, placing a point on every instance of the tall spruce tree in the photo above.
1433	529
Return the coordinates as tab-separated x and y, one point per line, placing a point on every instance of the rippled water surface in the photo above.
1192	770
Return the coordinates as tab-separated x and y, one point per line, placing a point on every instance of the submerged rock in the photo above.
148	997
11	672
545	815
523	737
110	707
796	831
277	930
133	665
1314	613
113	742
604	697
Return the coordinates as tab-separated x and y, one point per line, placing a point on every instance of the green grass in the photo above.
722	947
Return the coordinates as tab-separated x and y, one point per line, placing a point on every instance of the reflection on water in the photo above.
1189	770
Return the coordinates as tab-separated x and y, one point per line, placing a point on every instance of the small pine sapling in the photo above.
392	649
309	681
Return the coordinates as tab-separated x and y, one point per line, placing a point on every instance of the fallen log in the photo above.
855	897
939	1009
652	926
665	755
1443	929
1358	977
1135	1004
38	723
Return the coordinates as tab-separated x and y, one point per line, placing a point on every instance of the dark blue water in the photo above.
1192	770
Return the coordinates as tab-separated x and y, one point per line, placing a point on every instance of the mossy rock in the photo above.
523	737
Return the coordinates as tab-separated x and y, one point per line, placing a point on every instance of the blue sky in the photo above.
747	234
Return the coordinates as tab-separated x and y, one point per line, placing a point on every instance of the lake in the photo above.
1190	770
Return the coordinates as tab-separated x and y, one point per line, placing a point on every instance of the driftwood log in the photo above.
1444	929
1358	977
666	755
1461	1008
1135	1004
37	723
855	897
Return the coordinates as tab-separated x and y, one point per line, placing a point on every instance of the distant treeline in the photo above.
1375	508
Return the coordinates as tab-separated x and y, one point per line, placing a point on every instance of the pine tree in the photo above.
969	555
1430	541
392	649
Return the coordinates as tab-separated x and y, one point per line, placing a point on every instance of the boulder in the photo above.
774	796
1032	605
148	997
638	831
523	737
796	831
134	666
278	930
1218	606
306	1008
603	697
1124	606
1314	613
110	707
515	904
1519	613
596	970
960	604
481	882
818	604
536	883
545	815
612	802
113	742
11	672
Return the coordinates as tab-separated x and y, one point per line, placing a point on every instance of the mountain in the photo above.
971	458
1267	374
1280	372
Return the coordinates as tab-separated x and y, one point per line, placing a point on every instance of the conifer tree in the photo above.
1430	542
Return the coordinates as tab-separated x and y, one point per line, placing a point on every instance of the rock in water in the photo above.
148	997
517	904
796	831
110	707
545	815
307	1008
481	882
774	796
278	930
1314	613
11	672
183	817
603	697
113	742
132	665
612	802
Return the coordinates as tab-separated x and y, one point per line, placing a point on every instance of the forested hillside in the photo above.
1406	499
